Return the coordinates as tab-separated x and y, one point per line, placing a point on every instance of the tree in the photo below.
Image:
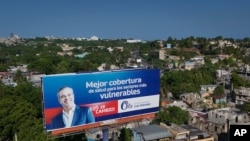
179	82
172	114
218	91
246	107
16	115
21	113
63	67
239	81
43	65
19	78
125	134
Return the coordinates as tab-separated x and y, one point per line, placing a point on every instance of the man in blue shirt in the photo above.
72	114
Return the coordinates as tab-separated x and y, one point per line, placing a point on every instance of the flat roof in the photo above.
152	132
195	132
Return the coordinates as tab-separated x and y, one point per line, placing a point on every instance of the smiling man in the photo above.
72	114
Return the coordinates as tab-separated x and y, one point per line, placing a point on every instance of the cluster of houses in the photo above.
7	78
204	125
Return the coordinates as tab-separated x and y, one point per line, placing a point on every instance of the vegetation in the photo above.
218	91
125	134
239	81
21	106
246	107
172	114
179	82
21	113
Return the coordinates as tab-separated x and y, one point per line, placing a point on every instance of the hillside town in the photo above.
216	93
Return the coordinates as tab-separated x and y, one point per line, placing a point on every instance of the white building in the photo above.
93	38
134	41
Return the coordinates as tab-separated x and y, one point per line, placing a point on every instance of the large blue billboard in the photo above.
74	99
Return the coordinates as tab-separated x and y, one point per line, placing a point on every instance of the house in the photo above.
165	102
196	115
214	60
14	69
7	79
36	79
198	59
219	119
178	133
208	88
179	104
134	41
219	99
188	65
189	98
242	95
222	73
197	134
151	132
4	75
93	38
163	55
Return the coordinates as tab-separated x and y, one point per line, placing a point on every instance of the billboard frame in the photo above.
83	128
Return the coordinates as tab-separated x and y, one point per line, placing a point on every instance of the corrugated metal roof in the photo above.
152	132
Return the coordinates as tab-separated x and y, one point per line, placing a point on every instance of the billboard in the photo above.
86	100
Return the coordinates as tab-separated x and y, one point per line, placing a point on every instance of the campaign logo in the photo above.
239	132
104	108
125	105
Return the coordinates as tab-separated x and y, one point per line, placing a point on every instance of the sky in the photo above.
133	19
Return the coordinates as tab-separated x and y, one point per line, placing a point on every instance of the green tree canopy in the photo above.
239	81
125	134
179	82
172	114
218	91
246	107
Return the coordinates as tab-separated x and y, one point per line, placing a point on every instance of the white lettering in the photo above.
240	132
106	110
97	84
124	82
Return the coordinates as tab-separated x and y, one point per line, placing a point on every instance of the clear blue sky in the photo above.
137	19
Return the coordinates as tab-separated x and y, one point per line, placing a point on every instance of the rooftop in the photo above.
195	133
152	132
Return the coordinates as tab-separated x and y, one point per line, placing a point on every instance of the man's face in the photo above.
66	97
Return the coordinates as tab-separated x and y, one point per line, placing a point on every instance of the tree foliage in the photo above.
20	113
239	81
246	107
179	82
125	134
21	106
218	91
172	114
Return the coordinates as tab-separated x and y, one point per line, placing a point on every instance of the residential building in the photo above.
219	119
197	134
151	132
208	88
242	95
189	98
36	79
219	99
197	115
163	55
178	132
188	65
222	73
134	41
14	69
179	104
93	38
